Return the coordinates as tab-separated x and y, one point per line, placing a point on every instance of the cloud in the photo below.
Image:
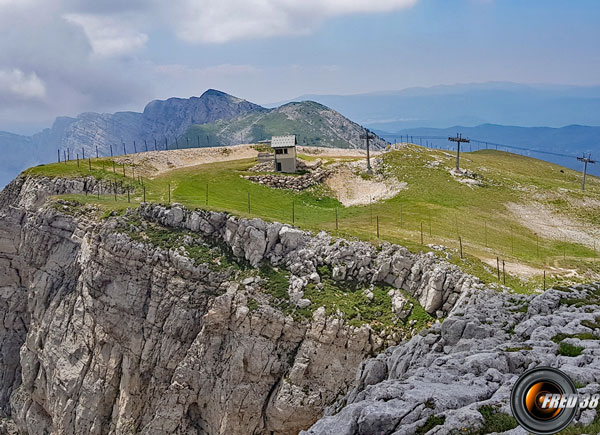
219	21
15	84
178	70
109	35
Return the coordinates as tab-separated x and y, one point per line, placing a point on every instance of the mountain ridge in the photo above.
469	104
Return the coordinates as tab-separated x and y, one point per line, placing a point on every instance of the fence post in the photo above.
115	190
377	217
144	187
503	273
90	164
58	156
498	267
421	232
460	242
78	160
128	198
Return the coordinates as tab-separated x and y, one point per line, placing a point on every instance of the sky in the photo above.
64	57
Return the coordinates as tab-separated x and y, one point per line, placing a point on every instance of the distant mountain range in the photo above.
571	140
215	118
469	105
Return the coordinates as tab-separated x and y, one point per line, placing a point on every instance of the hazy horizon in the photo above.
64	57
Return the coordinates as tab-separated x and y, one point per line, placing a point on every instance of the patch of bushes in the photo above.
581	336
495	421
431	422
566	349
592	324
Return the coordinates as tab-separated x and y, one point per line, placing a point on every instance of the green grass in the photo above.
595	324
566	349
446	208
345	297
311	129
581	336
592	428
494	421
431	422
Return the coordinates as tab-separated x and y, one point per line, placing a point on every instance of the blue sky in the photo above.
63	57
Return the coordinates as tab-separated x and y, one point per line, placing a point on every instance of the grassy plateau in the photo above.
436	208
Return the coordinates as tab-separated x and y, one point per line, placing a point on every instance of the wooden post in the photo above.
83	153
128	198
65	156
544	280
498	267
97	155
134	148
58	156
377	217
115	190
111	153
503	272
461	250
90	164
77	159
99	184
421	232
144	187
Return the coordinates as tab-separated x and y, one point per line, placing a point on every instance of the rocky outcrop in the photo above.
292	182
469	362
436	284
106	334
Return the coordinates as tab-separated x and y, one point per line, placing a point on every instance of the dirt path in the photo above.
547	224
153	163
353	189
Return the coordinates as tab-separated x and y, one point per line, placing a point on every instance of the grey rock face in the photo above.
470	360
160	119
103	334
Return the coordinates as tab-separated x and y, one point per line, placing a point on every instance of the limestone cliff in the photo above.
166	320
